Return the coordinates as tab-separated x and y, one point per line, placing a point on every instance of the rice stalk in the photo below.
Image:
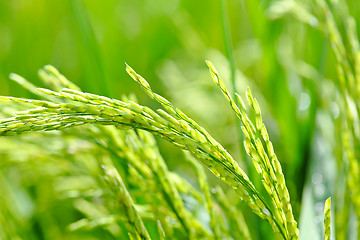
327	219
265	161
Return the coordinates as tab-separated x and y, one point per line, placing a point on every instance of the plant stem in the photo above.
230	56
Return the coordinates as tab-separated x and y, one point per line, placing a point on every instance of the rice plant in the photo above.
70	107
79	165
339	27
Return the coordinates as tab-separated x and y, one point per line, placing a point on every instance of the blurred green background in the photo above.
167	41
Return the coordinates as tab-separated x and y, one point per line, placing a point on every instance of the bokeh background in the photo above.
167	42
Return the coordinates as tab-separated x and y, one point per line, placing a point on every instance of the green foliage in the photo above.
80	165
